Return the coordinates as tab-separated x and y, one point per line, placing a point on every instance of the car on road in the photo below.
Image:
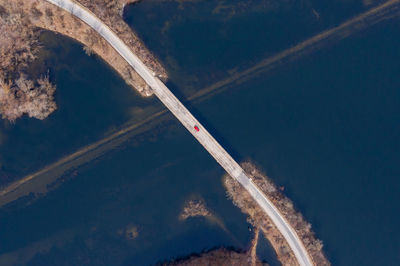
197	128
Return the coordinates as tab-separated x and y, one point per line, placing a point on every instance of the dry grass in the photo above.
194	208
23	96
20	94
258	218
18	39
220	257
60	21
110	11
223	257
20	21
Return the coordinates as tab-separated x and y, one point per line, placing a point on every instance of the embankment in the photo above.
258	218
53	171
46	16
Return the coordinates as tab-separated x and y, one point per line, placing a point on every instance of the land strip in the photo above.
44	15
21	187
191	124
222	257
39	180
20	93
255	70
40	14
257	217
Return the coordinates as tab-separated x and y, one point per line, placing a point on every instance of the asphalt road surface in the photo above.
189	121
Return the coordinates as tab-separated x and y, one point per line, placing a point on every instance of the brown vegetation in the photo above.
110	12
20	94
220	257
20	21
258	218
253	249
24	97
194	208
58	20
18	39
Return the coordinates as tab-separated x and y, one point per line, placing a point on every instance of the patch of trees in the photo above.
19	46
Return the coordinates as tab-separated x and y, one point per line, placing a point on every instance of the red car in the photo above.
197	128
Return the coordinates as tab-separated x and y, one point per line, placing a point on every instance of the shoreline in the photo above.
286	207
221	256
257	217
46	16
373	16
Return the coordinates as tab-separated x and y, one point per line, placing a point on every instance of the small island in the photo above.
21	22
23	94
194	208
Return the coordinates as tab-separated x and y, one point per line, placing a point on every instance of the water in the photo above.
89	104
203	42
327	130
325	127
140	185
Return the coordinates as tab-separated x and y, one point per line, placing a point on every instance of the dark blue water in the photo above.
328	130
325	127
89	104
146	185
202	42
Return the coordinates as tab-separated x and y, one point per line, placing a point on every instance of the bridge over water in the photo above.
189	121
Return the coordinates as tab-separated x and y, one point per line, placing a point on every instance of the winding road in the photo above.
189	121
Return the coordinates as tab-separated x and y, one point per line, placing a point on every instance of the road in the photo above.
189	121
